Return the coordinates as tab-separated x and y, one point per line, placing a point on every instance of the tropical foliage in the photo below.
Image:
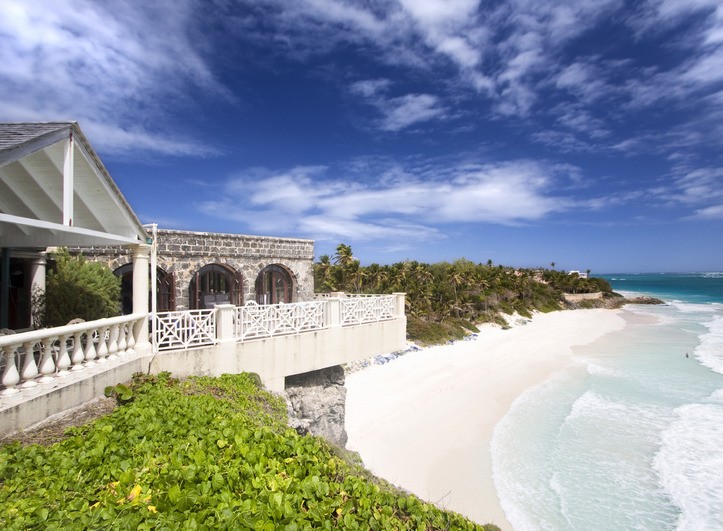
76	288
204	453
454	295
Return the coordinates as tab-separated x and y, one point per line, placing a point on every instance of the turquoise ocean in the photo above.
630	436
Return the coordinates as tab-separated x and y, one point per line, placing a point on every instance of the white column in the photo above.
334	306
400	309
37	284
141	258
224	323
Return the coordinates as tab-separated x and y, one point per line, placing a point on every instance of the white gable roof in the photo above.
55	191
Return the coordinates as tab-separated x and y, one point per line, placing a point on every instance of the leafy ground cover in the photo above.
202	453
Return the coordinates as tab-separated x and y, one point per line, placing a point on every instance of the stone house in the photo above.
197	270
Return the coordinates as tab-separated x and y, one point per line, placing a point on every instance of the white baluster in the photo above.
78	356
113	341
90	353
131	338
63	358
47	364
102	349
11	376
30	368
122	342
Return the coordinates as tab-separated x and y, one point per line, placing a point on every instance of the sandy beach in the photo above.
425	420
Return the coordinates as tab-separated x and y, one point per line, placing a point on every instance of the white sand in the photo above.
424	421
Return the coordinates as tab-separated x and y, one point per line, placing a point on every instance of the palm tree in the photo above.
323	274
343	256
347	268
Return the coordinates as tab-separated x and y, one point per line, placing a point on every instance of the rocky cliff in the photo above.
316	404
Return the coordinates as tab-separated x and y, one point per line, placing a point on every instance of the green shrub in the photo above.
434	333
76	288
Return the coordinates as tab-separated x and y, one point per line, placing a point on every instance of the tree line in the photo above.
454	294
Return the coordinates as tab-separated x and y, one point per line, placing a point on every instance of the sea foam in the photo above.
690	463
710	349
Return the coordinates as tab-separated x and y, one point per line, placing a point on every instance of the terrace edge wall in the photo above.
273	359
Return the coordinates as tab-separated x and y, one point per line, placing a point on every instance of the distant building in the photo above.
581	274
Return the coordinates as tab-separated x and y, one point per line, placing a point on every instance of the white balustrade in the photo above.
197	328
28	359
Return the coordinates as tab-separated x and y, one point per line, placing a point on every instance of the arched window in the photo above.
274	285
215	284
165	289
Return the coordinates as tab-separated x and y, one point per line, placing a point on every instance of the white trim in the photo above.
60	228
68	181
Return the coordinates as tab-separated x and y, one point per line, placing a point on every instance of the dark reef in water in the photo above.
643	299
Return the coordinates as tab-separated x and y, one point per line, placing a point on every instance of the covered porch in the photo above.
55	192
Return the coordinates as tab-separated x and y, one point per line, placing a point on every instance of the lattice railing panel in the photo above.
254	321
185	329
358	310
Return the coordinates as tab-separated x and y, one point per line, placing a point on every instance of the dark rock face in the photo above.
645	300
317	403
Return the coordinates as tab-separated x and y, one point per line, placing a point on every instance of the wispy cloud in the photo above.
397	206
398	112
709	213
112	67
700	186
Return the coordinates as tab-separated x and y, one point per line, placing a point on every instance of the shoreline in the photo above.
425	421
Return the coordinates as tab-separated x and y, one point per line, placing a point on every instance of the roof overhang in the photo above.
55	191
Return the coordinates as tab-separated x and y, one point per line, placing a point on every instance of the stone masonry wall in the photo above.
185	252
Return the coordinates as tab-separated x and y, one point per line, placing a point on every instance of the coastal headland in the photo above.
425	421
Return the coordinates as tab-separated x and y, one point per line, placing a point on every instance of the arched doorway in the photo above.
18	293
274	285
165	289
215	284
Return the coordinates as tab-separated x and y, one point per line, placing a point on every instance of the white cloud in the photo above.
402	208
112	67
407	110
370	88
699	186
700	72
400	112
709	213
451	28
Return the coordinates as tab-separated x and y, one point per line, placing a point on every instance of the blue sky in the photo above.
585	133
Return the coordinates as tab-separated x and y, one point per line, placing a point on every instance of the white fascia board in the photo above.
81	143
103	237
